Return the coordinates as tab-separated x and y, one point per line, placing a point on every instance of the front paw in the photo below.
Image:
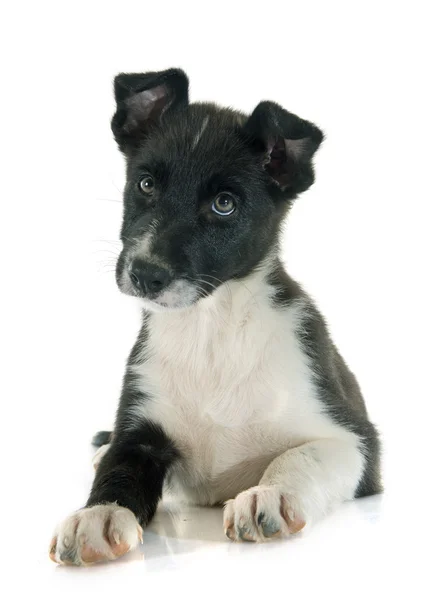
261	513
101	532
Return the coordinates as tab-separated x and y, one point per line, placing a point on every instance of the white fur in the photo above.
99	454
143	249
231	386
86	530
200	133
179	294
262	513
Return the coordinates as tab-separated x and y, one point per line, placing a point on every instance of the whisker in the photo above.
212	277
117	188
109	200
228	289
130	240
108	250
104	266
205	295
107	241
202	281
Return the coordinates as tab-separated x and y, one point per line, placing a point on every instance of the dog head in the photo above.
206	189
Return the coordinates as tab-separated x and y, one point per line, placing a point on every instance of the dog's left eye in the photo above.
223	204
146	184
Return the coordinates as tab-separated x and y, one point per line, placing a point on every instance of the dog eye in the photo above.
223	205
146	184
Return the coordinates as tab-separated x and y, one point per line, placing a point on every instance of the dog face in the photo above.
206	187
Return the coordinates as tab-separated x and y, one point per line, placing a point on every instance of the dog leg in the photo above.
298	488
127	487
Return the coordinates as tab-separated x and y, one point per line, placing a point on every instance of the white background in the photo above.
355	240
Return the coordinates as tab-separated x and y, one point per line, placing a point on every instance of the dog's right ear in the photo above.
142	100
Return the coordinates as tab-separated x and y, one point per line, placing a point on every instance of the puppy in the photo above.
234	393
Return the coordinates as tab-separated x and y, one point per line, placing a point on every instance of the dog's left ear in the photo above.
142	101
286	144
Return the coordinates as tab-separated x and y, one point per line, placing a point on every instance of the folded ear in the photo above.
142	100
286	144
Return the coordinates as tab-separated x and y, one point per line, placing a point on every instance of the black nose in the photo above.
149	278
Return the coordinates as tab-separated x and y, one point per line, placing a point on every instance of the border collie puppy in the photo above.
234	393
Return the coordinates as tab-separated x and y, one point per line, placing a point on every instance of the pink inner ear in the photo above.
276	151
283	155
276	161
296	148
147	105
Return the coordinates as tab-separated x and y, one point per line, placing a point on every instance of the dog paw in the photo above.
99	454
102	532
261	513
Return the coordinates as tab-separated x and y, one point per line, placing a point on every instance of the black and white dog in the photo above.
234	393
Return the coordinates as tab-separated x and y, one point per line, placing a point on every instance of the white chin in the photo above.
155	307
180	295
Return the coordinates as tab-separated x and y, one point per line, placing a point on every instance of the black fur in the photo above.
101	438
264	161
133	470
338	388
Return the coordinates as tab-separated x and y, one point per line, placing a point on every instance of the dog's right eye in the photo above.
224	204
146	184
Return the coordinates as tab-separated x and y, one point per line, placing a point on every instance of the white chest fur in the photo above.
231	386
